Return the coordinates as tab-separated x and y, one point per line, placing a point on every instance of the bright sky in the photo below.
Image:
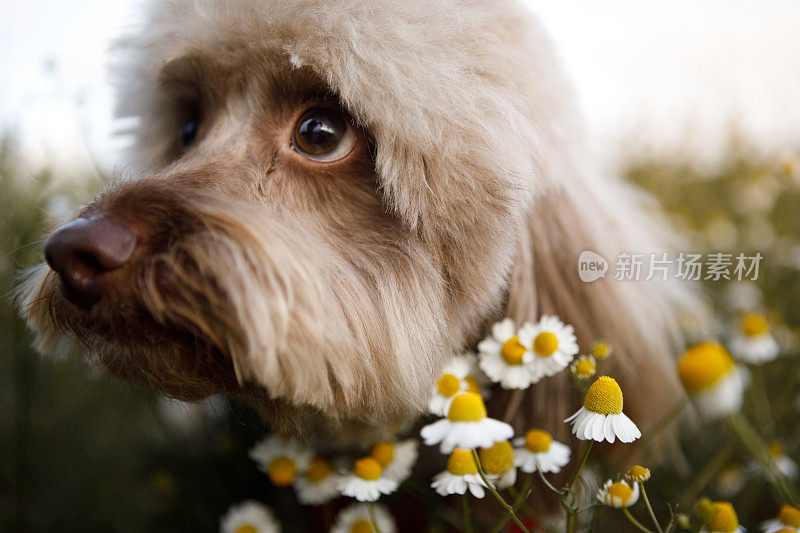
667	74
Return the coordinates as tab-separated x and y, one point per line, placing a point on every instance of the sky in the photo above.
650	74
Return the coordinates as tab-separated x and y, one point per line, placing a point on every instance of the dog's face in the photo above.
320	220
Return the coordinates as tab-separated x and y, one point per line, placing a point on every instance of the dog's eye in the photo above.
323	134
188	132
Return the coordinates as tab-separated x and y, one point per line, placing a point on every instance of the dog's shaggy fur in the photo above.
331	294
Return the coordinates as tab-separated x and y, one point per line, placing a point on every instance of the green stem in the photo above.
490	487
569	508
371	509
521	498
467	521
650	508
548	484
633	521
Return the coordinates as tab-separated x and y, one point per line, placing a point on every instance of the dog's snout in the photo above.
84	251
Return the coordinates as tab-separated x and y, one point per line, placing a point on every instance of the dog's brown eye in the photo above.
188	131
323	134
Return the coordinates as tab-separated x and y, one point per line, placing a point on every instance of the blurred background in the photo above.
697	101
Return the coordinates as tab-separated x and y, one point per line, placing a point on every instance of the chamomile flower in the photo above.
466	426
503	359
601	417
498	464
249	517
723	519
619	494
318	484
538	451
552	343
601	350
712	379
367	481
638	474
788	519
730	480
583	367
458	375
396	458
779	461
461	474
356	519
282	460
752	341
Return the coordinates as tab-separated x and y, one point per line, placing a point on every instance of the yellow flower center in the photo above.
754	324
703	365
282	471
601	350
448	385
705	509
361	526
786	530
545	344
461	463
383	452
585	367
318	470
775	449
246	528
538	441
789	516
638	473
621	491
498	459
467	407
512	351
368	468
725	519
604	397
472	385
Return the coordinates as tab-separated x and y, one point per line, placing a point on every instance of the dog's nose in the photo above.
84	251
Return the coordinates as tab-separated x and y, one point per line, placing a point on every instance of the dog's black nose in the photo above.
84	251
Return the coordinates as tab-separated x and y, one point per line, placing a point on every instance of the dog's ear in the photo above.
637	318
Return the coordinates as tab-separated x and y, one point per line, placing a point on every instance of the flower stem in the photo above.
490	487
371	509
467	521
650	508
548	484
633	521
569	508
521	498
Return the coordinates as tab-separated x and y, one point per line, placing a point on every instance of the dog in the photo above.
330	199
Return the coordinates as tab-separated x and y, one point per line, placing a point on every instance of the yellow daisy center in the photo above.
498	459
786	530
545	344
601	350
775	449
467	407
318	470
512	351
282	471
638	473
789	516
725	519
361	526
461	463
538	441
705	509
585	367
621	491
448	385
472	385
604	397
368	468
754	324
383	452
246	528
703	365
